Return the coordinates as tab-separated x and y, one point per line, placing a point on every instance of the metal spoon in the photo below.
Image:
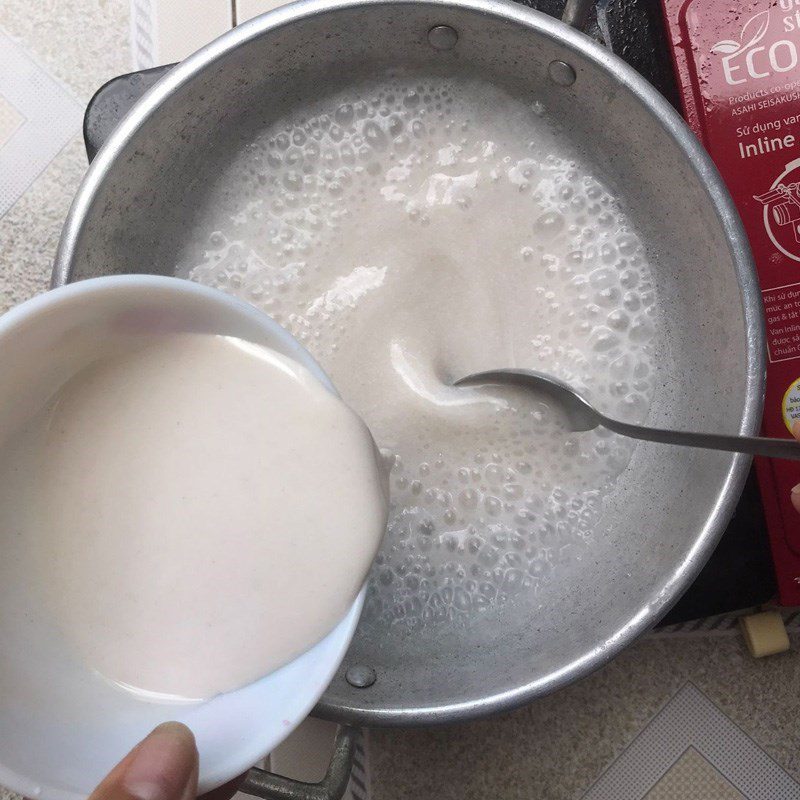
582	416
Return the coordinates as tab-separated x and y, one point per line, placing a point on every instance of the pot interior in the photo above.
158	195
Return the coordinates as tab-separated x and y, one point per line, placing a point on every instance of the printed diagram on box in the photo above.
782	211
790	405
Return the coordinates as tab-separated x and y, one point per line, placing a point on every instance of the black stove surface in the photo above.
740	573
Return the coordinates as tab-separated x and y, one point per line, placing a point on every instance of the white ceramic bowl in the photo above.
61	728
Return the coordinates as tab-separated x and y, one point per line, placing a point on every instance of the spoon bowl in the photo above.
581	415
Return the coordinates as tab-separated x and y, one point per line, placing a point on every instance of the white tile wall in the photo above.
247	9
163	31
182	26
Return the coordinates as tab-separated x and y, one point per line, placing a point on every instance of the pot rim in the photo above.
572	42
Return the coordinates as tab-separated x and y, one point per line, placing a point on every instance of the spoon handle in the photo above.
755	445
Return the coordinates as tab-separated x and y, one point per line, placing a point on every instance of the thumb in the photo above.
161	767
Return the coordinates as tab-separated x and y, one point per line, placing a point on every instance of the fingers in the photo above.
796	490
161	767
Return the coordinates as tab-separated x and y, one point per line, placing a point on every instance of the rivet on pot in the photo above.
561	73
360	676
442	37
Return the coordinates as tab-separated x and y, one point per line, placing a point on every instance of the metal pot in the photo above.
134	213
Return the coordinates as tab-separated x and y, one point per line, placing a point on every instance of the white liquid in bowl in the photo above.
192	512
409	233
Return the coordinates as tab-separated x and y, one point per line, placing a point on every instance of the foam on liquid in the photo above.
411	233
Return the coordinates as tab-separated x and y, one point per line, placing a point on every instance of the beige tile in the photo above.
183	26
83	43
557	747
693	778
10	120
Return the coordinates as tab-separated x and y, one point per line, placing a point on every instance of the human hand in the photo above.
163	766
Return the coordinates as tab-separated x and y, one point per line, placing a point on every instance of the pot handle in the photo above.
576	12
260	783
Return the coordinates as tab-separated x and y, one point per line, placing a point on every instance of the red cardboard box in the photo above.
738	69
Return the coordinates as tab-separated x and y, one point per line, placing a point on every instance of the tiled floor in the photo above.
605	738
38	116
77	46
